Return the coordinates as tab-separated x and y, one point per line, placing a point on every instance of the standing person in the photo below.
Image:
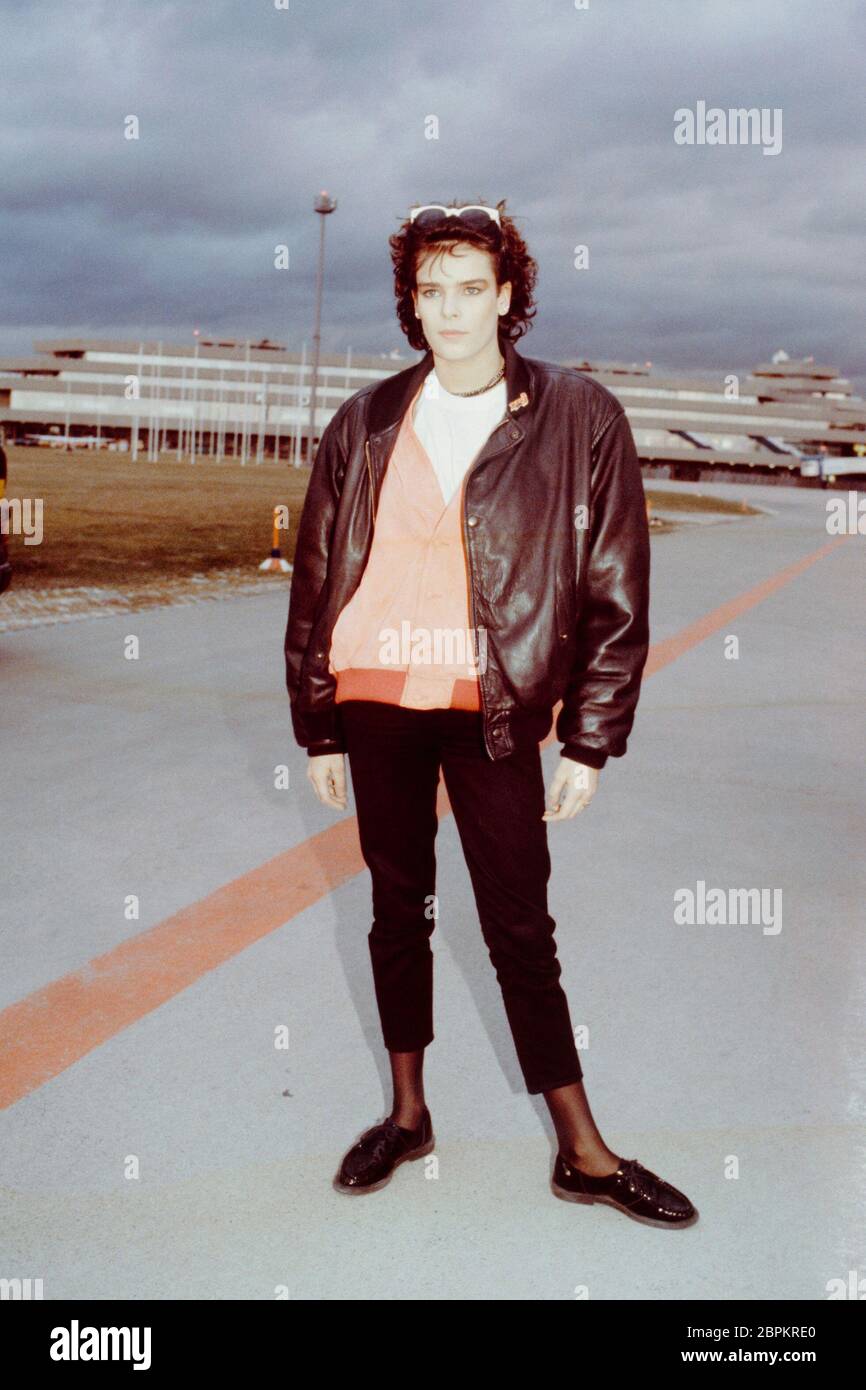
473	547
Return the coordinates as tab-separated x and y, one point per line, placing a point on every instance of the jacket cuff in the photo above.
321	728
590	757
330	745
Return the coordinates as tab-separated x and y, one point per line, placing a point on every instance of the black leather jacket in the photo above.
557	545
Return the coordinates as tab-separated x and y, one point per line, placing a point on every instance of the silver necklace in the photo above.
481	389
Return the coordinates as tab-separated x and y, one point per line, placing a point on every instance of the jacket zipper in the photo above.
370	471
467	475
472	603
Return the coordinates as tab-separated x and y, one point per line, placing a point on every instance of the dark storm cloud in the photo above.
699	256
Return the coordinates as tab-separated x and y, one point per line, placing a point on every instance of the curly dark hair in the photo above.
507	249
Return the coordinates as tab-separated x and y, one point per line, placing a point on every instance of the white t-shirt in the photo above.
453	429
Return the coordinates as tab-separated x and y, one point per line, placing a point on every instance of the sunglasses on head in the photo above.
474	216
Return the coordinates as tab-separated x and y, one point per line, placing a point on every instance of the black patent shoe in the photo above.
636	1191
369	1163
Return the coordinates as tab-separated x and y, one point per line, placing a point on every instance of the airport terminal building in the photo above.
250	401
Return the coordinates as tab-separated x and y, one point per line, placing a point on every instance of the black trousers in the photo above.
395	754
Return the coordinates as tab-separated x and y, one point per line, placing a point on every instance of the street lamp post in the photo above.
323	205
262	398
194	400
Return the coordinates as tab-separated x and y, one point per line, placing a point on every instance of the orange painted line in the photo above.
51	1029
664	652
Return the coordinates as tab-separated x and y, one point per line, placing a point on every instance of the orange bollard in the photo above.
275	560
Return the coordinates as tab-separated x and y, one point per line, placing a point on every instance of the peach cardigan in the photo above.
405	635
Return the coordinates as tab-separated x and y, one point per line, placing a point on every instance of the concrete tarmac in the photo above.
189	1038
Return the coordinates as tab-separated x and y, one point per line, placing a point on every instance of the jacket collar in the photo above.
390	400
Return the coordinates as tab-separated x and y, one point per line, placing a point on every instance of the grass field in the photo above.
109	521
114	523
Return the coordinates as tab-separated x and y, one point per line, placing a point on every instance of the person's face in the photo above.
458	301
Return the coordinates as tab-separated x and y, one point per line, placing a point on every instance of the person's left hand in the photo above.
571	790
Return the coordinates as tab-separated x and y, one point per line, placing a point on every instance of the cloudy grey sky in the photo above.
700	256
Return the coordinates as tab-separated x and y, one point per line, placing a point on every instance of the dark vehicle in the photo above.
5	566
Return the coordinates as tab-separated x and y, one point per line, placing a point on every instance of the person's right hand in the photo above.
327	772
